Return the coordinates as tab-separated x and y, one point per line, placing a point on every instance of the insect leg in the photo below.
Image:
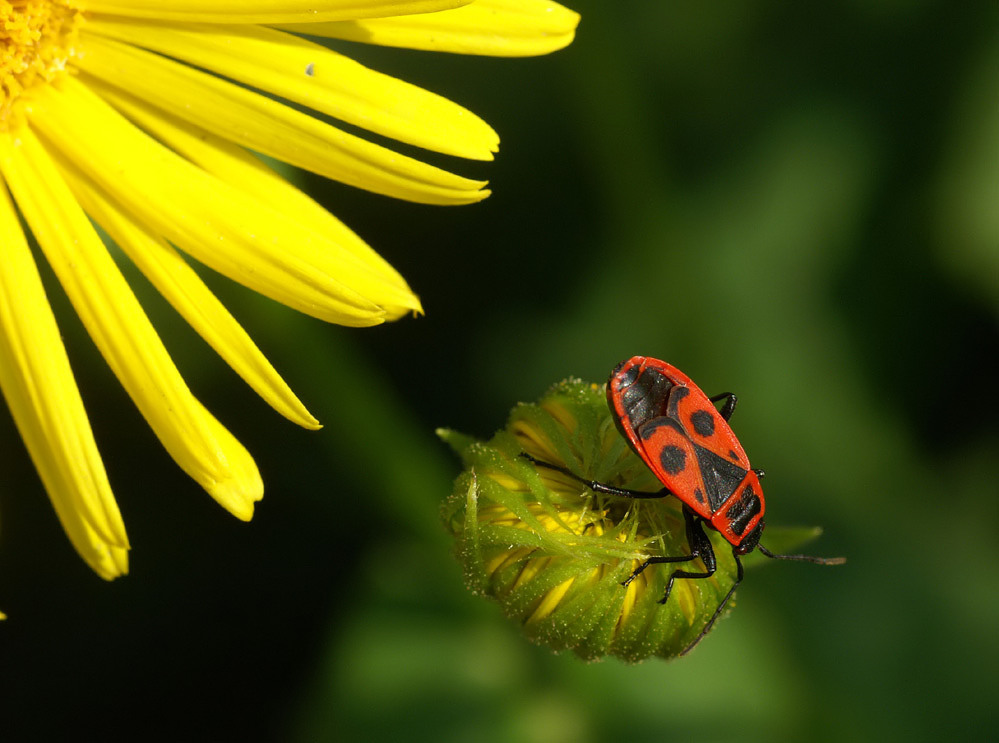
599	487
729	407
721	606
700	546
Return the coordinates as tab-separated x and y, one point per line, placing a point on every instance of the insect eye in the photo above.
760	473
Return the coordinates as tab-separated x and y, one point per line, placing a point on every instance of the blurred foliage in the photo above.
793	201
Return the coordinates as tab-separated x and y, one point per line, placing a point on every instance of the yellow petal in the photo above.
501	28
220	226
109	561
237	167
42	396
270	127
266	11
183	288
319	78
123	334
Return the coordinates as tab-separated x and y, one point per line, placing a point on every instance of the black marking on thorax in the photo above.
743	510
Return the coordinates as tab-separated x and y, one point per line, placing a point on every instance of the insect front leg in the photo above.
729	407
700	546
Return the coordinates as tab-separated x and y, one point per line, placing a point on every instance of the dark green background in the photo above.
794	201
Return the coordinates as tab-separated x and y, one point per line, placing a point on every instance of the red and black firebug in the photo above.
688	444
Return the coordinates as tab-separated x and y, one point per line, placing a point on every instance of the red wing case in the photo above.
680	435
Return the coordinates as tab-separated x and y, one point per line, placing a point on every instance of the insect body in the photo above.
687	443
677	431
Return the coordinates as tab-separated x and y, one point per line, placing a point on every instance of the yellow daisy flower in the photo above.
142	116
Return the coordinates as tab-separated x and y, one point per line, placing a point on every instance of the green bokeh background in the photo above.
798	202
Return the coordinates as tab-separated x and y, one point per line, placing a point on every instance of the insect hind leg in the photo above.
700	547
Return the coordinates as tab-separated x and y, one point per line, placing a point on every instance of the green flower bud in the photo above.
554	554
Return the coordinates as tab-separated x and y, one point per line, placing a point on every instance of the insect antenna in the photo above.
803	558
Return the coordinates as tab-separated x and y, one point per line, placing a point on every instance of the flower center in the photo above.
36	39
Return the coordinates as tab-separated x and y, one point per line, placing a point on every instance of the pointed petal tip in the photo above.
484	152
482	156
245	515
238	495
109	563
310	423
397	311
